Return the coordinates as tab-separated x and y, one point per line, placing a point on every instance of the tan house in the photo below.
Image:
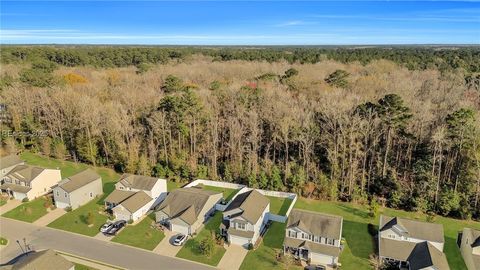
78	189
245	218
41	260
7	163
25	181
186	209
313	237
470	248
411	244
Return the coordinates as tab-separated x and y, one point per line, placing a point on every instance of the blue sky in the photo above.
240	23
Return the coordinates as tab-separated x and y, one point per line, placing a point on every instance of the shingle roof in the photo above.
314	247
79	180
474	235
394	249
42	260
185	203
9	161
138	181
415	229
315	223
25	172
136	201
118	196
252	203
16	188
426	255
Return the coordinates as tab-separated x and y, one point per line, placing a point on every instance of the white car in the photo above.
179	240
106	227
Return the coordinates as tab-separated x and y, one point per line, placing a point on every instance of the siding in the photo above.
79	196
43	183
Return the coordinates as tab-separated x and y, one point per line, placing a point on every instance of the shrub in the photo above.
68	209
72	78
90	219
250	246
25	200
207	245
130	221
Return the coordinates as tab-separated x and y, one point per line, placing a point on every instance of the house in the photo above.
134	196
25	181
313	237
40	260
470	248
245	217
411	244
186	209
7	163
78	189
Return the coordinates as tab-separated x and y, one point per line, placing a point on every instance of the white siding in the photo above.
184	229
240	241
322	259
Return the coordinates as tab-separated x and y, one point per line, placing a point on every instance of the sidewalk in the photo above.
50	217
233	257
165	247
103	237
9	206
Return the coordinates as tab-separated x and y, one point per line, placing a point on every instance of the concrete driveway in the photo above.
233	257
165	247
50	217
9	206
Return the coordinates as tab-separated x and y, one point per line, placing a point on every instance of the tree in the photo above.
207	245
338	78
373	207
172	84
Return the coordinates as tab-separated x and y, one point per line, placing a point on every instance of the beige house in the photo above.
411	244
186	209
245	217
7	163
78	189
470	248
313	237
25	181
41	260
156	188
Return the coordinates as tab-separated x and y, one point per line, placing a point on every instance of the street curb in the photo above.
90	260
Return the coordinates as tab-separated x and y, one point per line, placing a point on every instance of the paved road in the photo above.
108	252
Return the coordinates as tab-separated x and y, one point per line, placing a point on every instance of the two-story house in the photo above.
135	195
411	244
313	237
470	248
7	163
245	217
25	181
78	189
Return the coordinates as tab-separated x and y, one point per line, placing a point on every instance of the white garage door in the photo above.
61	204
321	259
179	229
240	241
122	216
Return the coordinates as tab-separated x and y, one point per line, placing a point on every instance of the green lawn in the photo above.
190	250
3	202
228	193
3	241
173	185
83	267
29	211
278	205
264	257
140	235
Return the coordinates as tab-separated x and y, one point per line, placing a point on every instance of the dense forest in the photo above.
397	125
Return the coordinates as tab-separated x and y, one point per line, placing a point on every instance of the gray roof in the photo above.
9	161
474	235
79	180
117	196
394	249
41	260
315	223
185	203
15	187
414	229
312	246
252	204
25	172
426	255
138	181
136	201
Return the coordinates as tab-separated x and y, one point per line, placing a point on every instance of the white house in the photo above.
245	218
154	187
470	248
25	181
7	163
186	209
313	237
411	244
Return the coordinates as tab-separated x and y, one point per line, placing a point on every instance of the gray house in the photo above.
41	260
78	189
7	163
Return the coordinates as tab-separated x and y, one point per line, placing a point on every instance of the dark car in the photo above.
116	226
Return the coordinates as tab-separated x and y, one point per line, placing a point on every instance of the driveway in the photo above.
49	217
103	237
165	247
87	247
233	257
9	206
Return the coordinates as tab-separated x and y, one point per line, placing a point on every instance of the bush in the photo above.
68	209
72	78
130	221
90	219
24	200
207	245
250	246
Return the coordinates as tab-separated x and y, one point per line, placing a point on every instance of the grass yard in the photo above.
140	235
3	201
173	185
278	205
3	241
264	257
228	193
190	250
28	211
83	267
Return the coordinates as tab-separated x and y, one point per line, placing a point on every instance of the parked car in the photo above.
179	240
106	227
116	226
315	267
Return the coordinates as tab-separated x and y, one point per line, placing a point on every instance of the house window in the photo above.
292	234
58	193
121	187
91	194
330	241
241	226
65	195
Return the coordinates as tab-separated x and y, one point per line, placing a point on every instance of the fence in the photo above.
214	184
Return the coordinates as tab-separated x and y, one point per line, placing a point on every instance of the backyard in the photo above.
228	193
190	250
141	235
28	211
279	206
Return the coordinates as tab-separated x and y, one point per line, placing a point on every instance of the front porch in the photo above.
297	253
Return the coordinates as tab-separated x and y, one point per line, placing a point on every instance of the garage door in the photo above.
179	229
321	259
61	204
240	241
122	216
